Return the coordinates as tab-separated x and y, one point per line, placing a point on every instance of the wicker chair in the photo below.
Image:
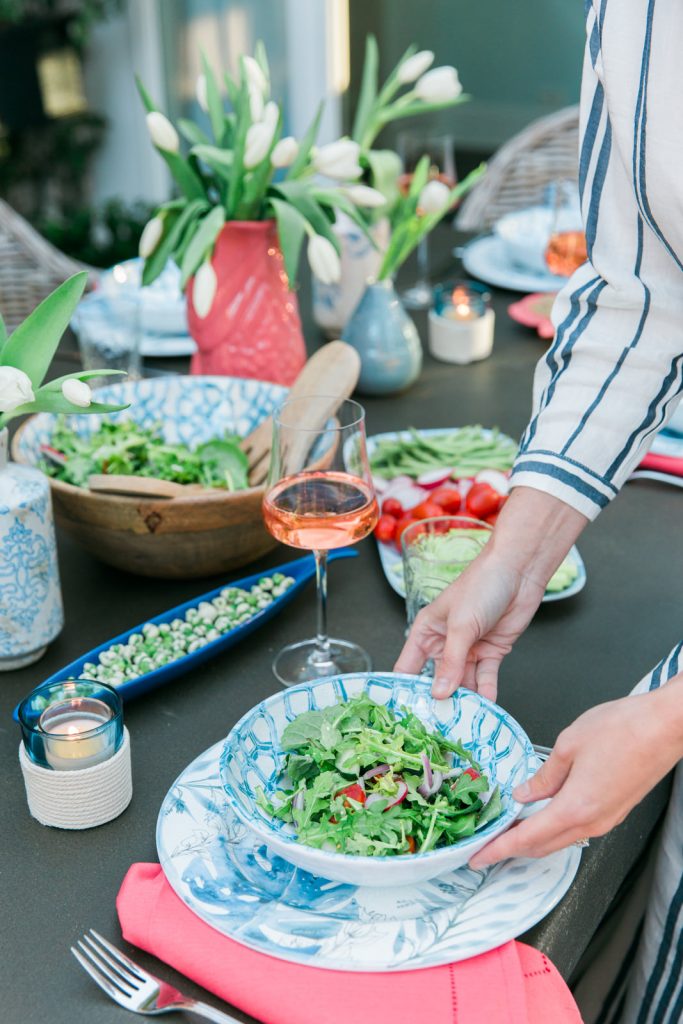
30	267
547	150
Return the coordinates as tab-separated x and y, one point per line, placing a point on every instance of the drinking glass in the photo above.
441	151
435	552
108	327
319	496
566	249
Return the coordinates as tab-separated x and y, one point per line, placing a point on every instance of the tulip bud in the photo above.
285	152
363	195
15	388
162	132
271	115
323	259
433	198
260	136
255	76
414	66
439	85
339	160
255	104
201	92
77	392
204	290
151	236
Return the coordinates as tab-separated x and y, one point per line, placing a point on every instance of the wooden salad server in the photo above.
333	370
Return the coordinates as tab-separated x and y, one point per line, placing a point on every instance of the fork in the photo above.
131	986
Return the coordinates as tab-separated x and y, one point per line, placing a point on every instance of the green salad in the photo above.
127	448
360	779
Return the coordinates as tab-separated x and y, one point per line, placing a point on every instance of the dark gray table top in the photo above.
594	647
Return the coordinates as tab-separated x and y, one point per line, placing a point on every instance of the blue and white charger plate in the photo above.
235	884
486	259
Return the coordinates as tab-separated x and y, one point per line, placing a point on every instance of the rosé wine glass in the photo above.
319	496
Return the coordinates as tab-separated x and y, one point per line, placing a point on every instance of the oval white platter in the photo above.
237	886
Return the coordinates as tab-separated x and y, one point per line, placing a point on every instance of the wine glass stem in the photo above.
423	261
322	652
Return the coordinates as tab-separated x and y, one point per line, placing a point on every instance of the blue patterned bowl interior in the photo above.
189	410
252	758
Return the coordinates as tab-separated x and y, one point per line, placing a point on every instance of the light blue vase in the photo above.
386	340
31	612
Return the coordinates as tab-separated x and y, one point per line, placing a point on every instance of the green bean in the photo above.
467	450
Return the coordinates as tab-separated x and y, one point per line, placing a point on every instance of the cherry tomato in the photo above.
492	520
482	500
393	507
472	772
385	530
403	524
448	498
411	844
353	792
427	510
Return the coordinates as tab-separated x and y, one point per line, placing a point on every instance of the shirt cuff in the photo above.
565	479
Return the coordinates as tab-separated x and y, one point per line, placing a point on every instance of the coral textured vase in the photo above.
252	328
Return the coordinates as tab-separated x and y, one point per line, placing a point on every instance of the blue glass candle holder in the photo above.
67	726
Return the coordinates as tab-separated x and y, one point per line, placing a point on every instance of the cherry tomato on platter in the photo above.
482	501
385	531
448	498
393	507
403	524
427	509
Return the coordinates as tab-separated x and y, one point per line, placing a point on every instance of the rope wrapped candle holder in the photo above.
75	754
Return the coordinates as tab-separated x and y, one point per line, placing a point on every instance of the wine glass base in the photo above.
302	661
418	297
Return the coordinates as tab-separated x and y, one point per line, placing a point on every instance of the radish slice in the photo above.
495	478
400	795
380	484
434	478
379	769
464	485
409	496
429	778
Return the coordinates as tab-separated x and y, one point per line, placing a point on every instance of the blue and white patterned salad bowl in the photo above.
252	760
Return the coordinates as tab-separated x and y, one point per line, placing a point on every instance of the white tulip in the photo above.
162	132
202	92
363	195
255	103
260	136
77	392
204	290
255	76
150	237
285	152
15	388
324	260
439	85
434	197
339	160
414	66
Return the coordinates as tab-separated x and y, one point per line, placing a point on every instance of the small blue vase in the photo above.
31	612
386	340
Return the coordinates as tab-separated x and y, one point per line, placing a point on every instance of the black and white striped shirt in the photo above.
614	373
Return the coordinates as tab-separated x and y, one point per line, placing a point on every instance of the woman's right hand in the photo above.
470	627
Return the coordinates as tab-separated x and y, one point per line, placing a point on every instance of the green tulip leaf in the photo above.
291	229
34	342
202	241
368	90
306	145
213	97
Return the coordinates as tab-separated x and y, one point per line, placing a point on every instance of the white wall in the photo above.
126	166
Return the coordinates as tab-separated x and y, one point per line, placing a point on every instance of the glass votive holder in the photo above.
461	324
435	552
71	725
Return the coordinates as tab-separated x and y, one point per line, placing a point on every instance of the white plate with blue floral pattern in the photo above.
235	884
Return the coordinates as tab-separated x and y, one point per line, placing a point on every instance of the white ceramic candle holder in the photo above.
79	799
461	341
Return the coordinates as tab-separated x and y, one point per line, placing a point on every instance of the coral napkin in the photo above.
514	984
663	464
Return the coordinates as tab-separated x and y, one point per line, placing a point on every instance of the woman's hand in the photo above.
600	768
473	624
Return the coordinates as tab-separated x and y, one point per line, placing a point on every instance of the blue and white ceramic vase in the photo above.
386	340
31	613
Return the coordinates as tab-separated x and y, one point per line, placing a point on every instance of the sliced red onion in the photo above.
434	478
401	794
379	769
298	801
437	782
499	481
428	779
424	790
373	798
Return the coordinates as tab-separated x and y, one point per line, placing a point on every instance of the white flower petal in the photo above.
414	66
77	392
204	290
439	85
434	197
255	75
162	132
15	388
201	92
324	259
285	152
365	196
151	236
339	160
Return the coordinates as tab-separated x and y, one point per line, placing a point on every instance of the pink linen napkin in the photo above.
513	984
663	464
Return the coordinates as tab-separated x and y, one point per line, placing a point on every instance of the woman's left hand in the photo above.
600	768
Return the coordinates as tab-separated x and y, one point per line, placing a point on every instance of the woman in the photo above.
611	379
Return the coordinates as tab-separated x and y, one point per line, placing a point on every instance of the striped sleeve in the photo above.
613	374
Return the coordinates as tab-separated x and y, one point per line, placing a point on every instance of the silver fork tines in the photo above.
131	986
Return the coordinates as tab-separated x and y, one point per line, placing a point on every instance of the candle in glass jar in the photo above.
77	733
462	308
460	325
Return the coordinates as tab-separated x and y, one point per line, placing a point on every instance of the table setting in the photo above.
220	810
